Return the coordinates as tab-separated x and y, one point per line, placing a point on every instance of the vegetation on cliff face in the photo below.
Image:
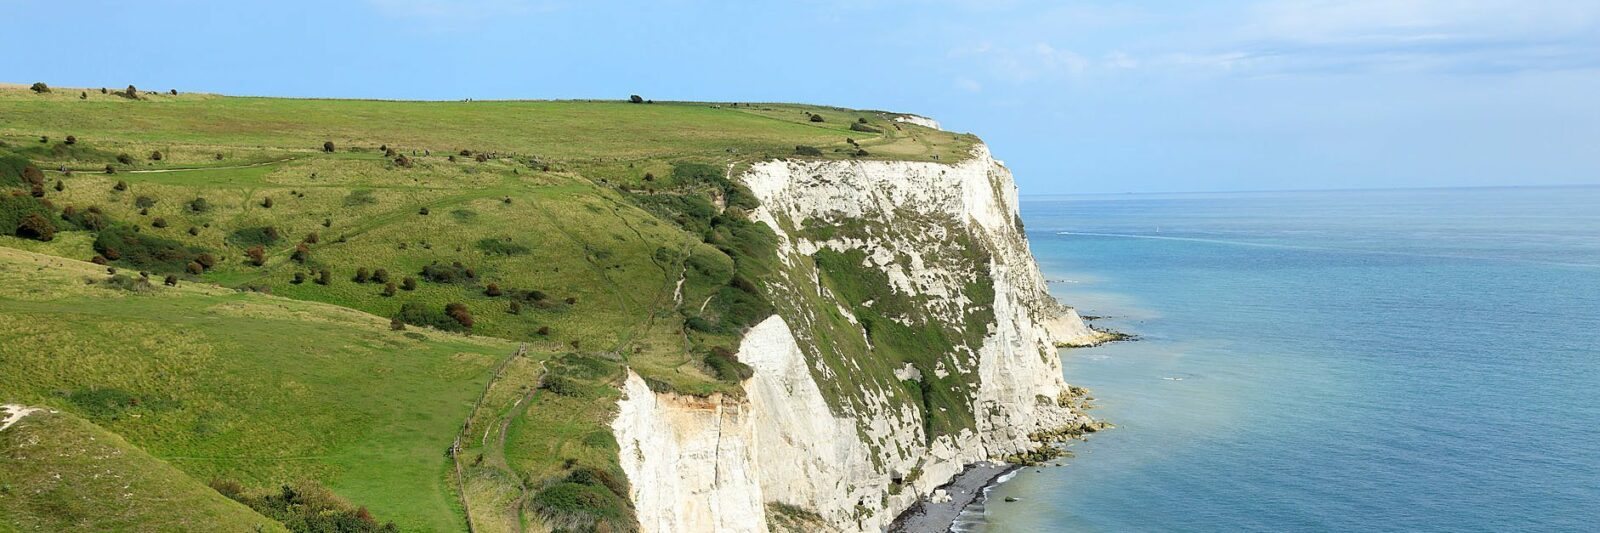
598	234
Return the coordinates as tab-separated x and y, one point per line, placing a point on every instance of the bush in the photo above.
501	246
124	243
110	169
195	268
206	260
257	255
131	93
71	140
259	236
301	253
388	289
380	276
816	118
266	202
809	151
516	308
158	223
492	290
37	227
120	186
423	211
143	202
409	283
199	205
327	146
324	277
727	367
635	99
60	186
39	87
194	231
155	156
311	238
418	314
172	280
453	273
361	275
459	313
864	128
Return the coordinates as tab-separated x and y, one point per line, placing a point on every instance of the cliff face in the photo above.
914	335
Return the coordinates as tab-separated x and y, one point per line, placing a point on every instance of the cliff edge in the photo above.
913	336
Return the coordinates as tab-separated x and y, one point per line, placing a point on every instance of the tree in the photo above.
409	283
388	289
361	275
327	146
173	92
40	87
257	254
636	99
380	276
83	95
324	277
131	93
299	277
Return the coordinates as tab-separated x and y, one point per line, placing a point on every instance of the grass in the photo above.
244	386
612	230
59	472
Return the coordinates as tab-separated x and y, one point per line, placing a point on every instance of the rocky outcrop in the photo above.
848	417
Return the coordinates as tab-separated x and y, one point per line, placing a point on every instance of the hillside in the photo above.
449	313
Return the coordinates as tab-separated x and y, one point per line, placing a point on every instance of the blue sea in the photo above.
1399	360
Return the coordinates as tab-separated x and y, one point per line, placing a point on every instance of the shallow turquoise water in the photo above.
1370	360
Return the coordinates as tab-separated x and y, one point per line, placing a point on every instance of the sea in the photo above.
1375	360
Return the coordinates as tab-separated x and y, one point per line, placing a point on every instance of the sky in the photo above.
1076	97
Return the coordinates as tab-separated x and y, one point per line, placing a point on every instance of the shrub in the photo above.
206	260
199	205
635	99
35	226
158	223
864	128
327	146
195	268
39	87
361	275
459	313
516	308
60	186
423	211
501	246
380	276
72	139
173	92
172	280
125	159
492	290
266	202
418	314
257	255
299	277
120	186
258	236
544	331
359	197
409	283
453	273
194	231
324	277
816	118
810	151
131	93
124	243
311	238
727	367
388	289
402	161
110	169
301	253
144	202
395	324
155	156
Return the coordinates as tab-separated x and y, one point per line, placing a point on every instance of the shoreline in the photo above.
930	514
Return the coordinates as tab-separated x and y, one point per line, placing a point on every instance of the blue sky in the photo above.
1074	96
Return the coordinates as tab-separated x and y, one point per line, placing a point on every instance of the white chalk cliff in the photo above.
827	431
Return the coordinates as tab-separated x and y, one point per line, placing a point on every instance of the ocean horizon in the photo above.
1384	359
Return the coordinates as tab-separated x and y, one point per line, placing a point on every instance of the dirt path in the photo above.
184	169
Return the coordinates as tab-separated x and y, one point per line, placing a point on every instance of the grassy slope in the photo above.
244	386
59	472
557	209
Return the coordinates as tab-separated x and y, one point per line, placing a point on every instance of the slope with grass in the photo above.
409	247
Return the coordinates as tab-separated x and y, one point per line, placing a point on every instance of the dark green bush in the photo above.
258	236
123	243
809	151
